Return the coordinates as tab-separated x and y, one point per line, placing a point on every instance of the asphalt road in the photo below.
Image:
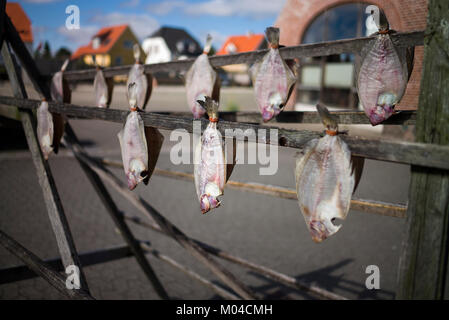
263	229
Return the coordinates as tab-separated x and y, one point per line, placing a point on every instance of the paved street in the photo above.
263	229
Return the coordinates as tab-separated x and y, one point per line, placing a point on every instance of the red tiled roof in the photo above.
20	21
108	36
242	43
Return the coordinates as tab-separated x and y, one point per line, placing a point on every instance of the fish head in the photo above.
273	108
137	173
198	110
321	229
208	202
384	108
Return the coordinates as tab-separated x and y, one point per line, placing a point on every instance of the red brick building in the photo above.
403	15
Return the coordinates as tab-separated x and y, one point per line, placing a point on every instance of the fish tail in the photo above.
329	122
272	34
136	51
208	44
65	64
211	107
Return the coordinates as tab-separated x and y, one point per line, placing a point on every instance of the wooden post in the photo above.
55	210
423	268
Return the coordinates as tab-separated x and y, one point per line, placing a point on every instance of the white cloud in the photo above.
251	8
78	37
141	24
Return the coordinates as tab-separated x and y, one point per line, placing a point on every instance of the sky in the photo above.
220	18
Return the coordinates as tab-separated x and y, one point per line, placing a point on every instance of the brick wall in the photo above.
403	15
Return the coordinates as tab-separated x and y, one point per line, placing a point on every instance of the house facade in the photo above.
110	46
238	73
168	44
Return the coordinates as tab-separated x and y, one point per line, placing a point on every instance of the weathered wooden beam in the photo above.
369	206
422	154
423	270
113	211
406	117
55	210
227	277
404	39
23	272
41	268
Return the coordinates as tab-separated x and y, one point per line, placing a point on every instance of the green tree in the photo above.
47	52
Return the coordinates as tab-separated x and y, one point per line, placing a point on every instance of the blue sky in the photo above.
220	18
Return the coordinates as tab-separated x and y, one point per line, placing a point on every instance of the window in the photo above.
330	79
128	44
118	61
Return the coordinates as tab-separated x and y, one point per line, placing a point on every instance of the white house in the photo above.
168	44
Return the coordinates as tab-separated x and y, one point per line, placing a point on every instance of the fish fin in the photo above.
208	45
301	158
254	70
327	119
210	106
357	169
136	52
272	34
155	139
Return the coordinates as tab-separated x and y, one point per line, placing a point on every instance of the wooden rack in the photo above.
423	265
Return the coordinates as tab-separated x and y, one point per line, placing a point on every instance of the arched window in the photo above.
330	79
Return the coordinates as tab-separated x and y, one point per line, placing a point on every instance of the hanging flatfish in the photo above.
50	126
272	79
45	129
103	89
201	80
210	161
382	71
140	146
325	180
144	81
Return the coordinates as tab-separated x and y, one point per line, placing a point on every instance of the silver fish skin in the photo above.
201	80
324	183
272	79
210	165
143	81
134	149
45	129
102	88
382	78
